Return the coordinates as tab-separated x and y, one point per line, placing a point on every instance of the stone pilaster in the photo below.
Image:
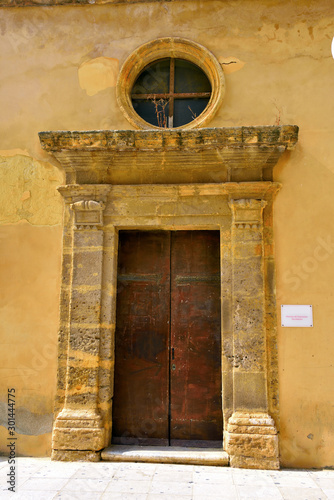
108	323
251	437
79	431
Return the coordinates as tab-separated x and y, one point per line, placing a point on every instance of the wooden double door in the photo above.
167	386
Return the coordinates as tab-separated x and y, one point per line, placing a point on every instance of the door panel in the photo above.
195	383
168	380
141	390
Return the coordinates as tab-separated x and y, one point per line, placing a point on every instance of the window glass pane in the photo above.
154	112
153	79
190	78
186	110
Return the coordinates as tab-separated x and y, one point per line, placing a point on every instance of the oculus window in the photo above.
170	93
170	83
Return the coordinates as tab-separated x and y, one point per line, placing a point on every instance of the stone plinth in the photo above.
251	441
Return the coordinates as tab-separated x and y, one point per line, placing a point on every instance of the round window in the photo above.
171	93
170	83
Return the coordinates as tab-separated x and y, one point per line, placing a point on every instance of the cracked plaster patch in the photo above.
230	64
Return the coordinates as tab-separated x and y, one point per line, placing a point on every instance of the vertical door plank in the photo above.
141	388
195	383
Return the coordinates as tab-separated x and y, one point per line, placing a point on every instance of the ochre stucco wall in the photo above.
58	72
30	235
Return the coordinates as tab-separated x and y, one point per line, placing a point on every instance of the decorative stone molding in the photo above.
164	48
261	138
96	193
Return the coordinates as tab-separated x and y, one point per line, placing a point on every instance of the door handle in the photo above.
172	352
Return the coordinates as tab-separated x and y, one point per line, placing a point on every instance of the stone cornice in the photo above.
284	136
167	156
51	3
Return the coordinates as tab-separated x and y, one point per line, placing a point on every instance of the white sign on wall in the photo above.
296	315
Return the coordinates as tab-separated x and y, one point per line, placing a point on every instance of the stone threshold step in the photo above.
166	455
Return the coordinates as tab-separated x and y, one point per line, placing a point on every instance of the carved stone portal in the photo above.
189	179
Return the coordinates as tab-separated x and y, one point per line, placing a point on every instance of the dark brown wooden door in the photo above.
167	348
195	376
141	385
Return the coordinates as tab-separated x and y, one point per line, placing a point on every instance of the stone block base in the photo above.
77	432
78	439
76	456
251	441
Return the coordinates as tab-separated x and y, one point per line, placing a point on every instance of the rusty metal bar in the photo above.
168	96
171	92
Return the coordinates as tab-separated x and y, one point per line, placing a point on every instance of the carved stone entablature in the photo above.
211	155
88	213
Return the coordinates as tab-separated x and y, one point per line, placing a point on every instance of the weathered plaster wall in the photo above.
59	67
30	235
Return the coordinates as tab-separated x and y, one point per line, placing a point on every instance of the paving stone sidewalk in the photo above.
41	479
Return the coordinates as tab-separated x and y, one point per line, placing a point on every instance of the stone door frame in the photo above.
94	213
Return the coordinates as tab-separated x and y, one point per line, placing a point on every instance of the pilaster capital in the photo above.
73	193
247	212
88	213
87	203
